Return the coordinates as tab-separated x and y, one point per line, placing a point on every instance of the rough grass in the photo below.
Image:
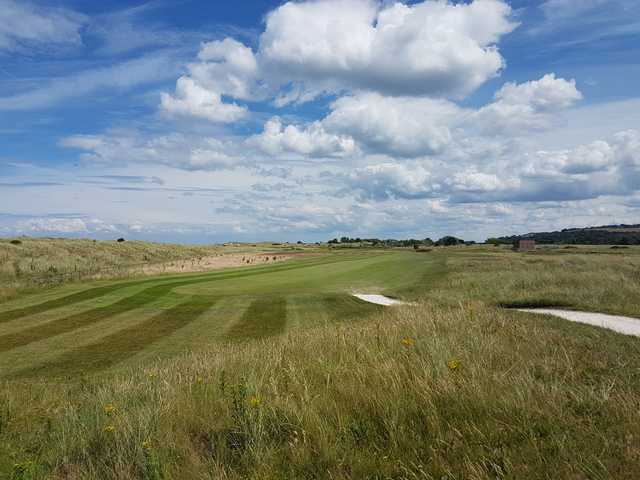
589	278
469	392
451	388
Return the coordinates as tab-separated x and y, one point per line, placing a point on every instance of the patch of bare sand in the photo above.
220	261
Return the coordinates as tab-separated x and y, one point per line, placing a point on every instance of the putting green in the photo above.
78	330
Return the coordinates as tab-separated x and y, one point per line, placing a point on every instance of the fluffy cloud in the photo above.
193	100
585	172
527	106
620	154
176	150
394	125
393	180
227	68
414	127
430	48
312	141
25	27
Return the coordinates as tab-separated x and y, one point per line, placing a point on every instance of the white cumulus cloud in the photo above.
191	99
430	48
312	141
527	106
394	125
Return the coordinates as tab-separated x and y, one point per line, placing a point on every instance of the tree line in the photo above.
392	242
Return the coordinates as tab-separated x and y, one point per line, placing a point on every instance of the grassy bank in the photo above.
35	263
454	387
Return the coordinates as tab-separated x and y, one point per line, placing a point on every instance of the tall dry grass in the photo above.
588	278
422	392
43	262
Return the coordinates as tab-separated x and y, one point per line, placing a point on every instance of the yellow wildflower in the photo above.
109	408
147	445
199	380
109	429
408	342
255	401
454	364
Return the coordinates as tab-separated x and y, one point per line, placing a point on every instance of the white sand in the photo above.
378	299
626	325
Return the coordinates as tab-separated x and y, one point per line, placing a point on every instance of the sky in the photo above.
198	122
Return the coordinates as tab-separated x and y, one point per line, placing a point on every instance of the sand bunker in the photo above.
626	325
378	299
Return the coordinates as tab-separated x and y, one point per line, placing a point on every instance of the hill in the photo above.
603	235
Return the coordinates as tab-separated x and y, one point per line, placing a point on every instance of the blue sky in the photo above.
210	121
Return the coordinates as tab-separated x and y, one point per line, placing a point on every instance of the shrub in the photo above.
120	240
16	242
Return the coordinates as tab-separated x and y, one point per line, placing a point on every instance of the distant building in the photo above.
526	245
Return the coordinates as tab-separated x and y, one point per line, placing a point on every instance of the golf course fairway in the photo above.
86	329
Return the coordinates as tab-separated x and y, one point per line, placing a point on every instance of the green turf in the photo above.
118	346
265	317
99	327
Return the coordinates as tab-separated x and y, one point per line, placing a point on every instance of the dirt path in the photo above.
378	299
626	325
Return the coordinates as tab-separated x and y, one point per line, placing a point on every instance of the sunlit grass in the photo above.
454	387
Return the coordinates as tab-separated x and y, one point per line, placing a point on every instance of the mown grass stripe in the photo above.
118	346
265	317
82	296
82	319
342	307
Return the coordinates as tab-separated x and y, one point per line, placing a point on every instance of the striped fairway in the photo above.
98	328
120	345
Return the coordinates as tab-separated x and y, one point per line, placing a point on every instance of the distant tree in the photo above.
335	240
449	241
120	240
493	241
15	242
